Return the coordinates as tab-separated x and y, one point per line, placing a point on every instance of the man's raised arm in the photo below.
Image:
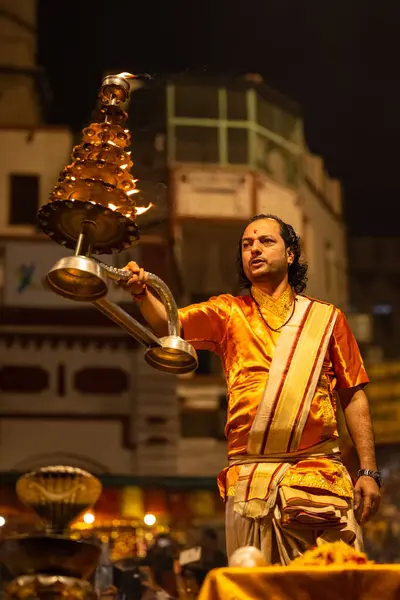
151	308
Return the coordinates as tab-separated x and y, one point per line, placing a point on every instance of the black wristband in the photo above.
376	475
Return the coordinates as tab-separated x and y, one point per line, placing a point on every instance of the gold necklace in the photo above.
265	320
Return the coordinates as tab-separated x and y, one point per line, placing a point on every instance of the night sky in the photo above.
338	59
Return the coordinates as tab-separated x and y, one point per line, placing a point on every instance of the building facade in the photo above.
228	150
209	154
73	388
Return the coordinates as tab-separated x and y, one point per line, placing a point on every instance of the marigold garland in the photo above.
336	553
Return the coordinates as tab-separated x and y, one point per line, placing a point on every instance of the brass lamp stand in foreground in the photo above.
91	211
51	565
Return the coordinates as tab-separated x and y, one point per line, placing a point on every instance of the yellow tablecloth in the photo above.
375	582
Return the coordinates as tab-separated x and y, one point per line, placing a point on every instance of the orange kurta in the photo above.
233	328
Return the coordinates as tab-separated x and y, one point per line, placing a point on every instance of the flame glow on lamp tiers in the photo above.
91	211
97	187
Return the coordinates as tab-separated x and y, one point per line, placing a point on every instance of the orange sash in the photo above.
293	377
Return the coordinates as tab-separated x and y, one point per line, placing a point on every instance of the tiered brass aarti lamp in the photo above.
92	211
51	565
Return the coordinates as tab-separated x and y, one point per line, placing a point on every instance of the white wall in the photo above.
279	200
22	440
113	431
325	240
27	444
325	234
42	152
213	455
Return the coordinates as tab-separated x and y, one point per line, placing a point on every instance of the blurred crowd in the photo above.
382	534
159	575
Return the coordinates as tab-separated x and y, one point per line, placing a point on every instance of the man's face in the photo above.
264	254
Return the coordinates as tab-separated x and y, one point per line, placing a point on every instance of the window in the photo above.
237	106
261	152
279	163
24	199
197	144
238	146
267	115
287	126
196	102
24	379
101	380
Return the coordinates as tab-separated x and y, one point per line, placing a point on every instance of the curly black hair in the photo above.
297	270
